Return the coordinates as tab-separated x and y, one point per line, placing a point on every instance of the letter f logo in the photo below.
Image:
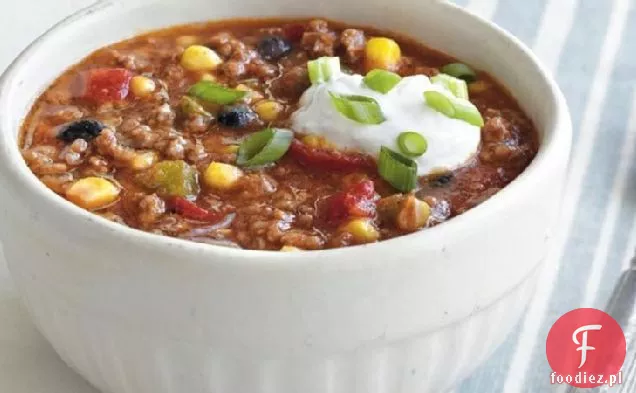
583	344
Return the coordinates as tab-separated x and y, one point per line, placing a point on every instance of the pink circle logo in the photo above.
586	348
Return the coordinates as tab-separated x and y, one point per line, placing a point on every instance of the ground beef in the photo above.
108	145
353	41
171	224
72	154
289	199
59	96
131	61
242	60
388	207
292	83
130	123
251	232
164	115
224	43
233	69
58	183
195	152
256	185
260	69
318	26
318	40
305	240
271	226
410	66
499	141
340	239
41	160
196	123
305	221
143	137
96	166
151	208
175	149
174	75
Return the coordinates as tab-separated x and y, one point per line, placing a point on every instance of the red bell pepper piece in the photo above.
330	159
106	84
188	209
357	201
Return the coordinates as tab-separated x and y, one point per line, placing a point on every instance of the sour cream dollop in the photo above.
451	142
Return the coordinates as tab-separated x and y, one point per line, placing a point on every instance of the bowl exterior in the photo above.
136	313
124	355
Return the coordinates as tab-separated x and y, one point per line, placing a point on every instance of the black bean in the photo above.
82	129
236	116
273	47
441	181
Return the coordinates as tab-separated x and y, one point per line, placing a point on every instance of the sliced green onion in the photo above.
440	102
457	86
461	71
399	171
361	109
469	113
213	92
412	144
382	80
190	106
454	108
264	147
322	69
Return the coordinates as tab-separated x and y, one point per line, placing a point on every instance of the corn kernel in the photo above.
200	58
143	160
318	142
383	53
187	40
268	110
290	249
221	176
142	86
413	214
362	230
478	87
242	87
312	140
206	76
230	149
92	192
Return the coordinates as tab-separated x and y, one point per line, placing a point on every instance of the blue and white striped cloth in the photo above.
590	46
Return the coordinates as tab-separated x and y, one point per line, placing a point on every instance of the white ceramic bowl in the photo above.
138	313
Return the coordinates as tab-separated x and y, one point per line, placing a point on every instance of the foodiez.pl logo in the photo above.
586	349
